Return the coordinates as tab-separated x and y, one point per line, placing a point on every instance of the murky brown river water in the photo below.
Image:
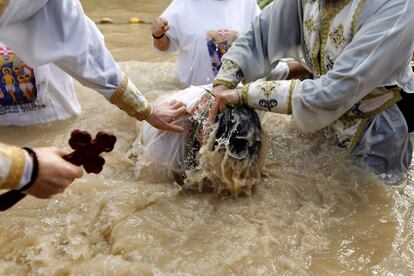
315	213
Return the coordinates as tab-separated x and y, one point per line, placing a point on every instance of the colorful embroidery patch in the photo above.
218	43
18	92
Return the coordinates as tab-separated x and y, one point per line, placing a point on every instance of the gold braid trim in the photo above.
356	16
3	6
226	83
291	89
18	160
329	12
126	100
383	107
357	136
245	94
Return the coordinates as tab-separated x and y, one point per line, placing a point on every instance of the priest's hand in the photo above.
165	113
55	174
224	99
220	89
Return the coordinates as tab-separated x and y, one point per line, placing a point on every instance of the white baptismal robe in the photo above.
58	32
359	52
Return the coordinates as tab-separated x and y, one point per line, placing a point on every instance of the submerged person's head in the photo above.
224	157
229	161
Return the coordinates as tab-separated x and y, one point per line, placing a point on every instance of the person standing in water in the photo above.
202	31
58	32
359	53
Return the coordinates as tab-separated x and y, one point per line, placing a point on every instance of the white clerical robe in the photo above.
58	32
359	52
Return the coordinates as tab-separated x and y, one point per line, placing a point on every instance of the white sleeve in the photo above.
376	56
60	33
256	9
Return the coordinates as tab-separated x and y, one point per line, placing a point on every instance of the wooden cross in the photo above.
87	151
87	154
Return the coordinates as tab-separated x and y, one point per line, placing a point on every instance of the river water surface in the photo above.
314	214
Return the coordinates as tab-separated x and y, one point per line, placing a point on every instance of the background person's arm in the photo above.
158	30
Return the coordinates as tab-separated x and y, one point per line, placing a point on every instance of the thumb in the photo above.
173	128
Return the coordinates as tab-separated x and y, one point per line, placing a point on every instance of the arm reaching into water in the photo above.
59	32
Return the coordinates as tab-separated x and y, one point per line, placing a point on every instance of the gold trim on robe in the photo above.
128	98
3	6
12	162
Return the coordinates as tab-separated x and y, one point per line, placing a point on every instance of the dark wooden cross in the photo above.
86	153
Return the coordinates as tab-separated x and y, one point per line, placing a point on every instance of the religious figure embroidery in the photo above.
218	43
18	91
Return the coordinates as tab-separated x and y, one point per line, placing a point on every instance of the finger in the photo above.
174	128
222	107
213	112
71	171
180	111
177	105
170	127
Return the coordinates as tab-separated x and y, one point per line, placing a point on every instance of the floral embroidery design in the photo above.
342	143
229	66
267	89
337	36
310	25
268	103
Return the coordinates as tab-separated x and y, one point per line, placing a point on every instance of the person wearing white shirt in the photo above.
202	31
58	32
43	94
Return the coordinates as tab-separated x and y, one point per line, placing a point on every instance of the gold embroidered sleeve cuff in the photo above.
12	164
230	74
245	94
128	98
273	96
227	84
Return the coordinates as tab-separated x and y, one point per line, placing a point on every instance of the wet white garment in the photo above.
34	96
367	46
202	30
378	55
59	32
167	150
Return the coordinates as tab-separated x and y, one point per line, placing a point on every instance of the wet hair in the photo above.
230	160
239	131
